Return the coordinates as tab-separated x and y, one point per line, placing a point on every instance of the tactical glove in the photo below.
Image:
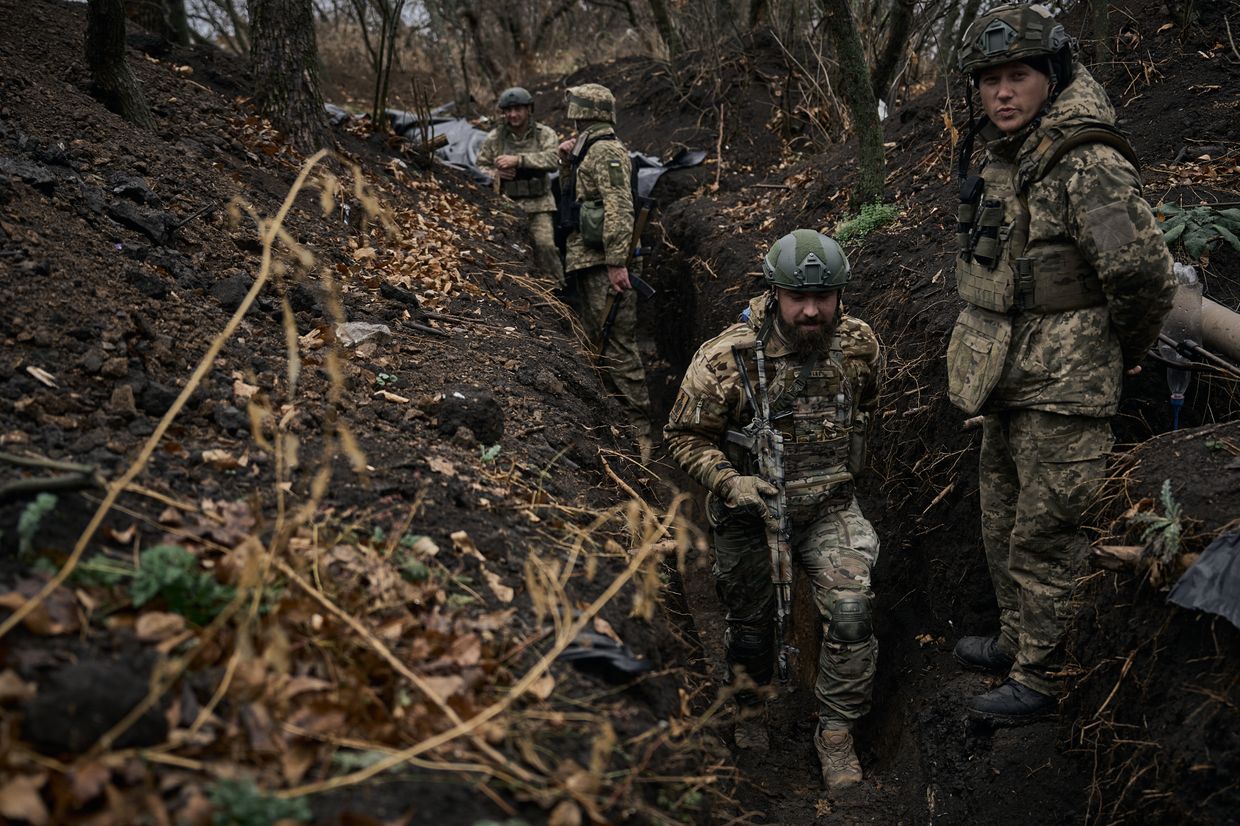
744	493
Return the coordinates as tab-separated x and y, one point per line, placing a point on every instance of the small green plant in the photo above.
97	572
1162	535
411	569
171	573
871	217
386	380
489	454
30	520
1199	228
241	803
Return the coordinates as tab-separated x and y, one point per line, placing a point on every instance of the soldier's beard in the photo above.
805	340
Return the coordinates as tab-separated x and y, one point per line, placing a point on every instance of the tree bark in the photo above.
759	10
962	25
114	84
858	92
667	28
899	25
284	62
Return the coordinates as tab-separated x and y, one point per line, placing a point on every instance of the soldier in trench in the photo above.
1066	280
597	214
520	154
819	368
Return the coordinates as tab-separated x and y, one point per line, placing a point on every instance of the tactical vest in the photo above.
529	183
581	216
815	414
997	272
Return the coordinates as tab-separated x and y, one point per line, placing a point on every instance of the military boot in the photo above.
983	654
1012	704
840	766
751	731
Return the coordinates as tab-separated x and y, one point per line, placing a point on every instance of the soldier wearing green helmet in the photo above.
519	155
799	363
597	217
1066	279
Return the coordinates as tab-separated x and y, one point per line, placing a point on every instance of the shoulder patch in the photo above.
615	173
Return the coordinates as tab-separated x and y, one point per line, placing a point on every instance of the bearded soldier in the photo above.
1066	280
519	154
597	212
802	368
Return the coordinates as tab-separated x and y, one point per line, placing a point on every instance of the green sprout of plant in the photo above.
489	454
871	217
171	573
385	379
1163	533
241	803
30	520
1199	228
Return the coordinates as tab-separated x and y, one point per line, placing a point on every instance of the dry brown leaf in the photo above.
424	546
42	375
223	460
566	813
242	391
442	466
603	627
466	650
462	542
14	688
364	253
447	686
20	800
502	592
87	782
154	626
543	686
55	615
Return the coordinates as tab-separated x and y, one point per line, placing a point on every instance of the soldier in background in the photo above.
519	154
598	215
1066	280
820	368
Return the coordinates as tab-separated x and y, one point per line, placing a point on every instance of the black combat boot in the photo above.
983	654
1012	704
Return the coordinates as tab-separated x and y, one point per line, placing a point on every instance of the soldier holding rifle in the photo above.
771	419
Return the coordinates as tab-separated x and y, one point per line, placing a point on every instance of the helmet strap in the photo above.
768	317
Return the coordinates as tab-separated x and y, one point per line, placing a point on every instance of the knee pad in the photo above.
852	619
752	649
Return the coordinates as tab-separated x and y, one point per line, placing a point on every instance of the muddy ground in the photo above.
120	262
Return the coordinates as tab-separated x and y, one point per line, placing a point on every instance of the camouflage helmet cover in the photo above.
806	261
591	101
1011	32
516	96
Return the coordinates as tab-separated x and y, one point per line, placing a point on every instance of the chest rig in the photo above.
995	267
813	406
529	183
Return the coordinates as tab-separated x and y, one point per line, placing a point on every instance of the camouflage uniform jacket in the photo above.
1088	207
603	176
712	400
538	149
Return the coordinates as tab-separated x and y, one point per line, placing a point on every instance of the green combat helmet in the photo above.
591	101
516	96
806	261
1017	32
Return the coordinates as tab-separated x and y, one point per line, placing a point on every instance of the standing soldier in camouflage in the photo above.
1066	280
598	214
519	154
820	369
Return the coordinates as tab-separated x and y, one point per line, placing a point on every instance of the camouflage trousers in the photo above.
546	256
621	361
837	551
1039	472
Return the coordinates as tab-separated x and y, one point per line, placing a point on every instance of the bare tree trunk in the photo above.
284	62
1099	11
899	25
667	28
759	10
962	25
114	84
858	91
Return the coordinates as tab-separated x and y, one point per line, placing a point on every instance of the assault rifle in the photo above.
766	442
640	285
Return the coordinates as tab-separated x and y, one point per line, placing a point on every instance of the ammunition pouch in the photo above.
976	355
528	184
590	223
857	444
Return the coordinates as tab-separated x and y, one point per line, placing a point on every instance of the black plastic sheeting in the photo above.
1213	582
465	141
605	658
